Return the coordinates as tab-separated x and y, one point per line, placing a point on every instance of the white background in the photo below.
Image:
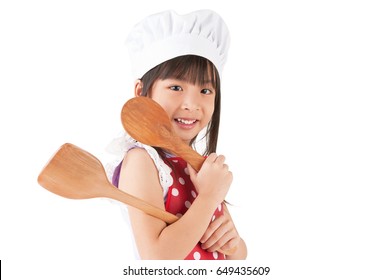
306	129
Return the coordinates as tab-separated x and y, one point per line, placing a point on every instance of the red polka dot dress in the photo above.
180	197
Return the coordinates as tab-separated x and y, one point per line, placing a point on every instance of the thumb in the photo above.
192	172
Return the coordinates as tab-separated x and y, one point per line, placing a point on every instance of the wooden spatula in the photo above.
74	173
147	122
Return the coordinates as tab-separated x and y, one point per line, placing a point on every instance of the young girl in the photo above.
177	61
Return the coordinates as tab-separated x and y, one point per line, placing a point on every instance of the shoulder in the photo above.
138	157
139	174
143	163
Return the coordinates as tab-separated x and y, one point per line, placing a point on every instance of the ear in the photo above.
138	88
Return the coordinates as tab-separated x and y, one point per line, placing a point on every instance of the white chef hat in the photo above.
167	35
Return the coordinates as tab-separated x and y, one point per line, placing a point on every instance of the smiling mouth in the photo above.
184	121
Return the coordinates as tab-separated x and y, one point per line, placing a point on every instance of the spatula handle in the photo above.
142	205
156	212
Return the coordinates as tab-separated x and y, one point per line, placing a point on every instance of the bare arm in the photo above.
155	239
222	234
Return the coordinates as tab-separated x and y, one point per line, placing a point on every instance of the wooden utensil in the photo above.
74	173
147	122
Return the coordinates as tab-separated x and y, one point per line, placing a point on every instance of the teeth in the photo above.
186	121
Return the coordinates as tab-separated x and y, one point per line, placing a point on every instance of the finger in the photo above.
222	242
227	242
232	243
216	235
192	172
211	158
220	159
211	229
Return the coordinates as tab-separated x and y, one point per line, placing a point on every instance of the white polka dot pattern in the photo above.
180	197
196	256
174	192
215	255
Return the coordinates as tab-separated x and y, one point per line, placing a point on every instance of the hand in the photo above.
221	234
214	178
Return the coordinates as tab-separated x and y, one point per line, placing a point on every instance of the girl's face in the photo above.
189	106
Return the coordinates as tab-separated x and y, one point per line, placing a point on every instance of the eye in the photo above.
206	91
176	88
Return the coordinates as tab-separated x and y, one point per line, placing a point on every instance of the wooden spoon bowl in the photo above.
74	173
147	122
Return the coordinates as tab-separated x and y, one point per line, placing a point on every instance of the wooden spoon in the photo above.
147	122
74	173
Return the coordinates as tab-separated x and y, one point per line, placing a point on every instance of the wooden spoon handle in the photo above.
189	155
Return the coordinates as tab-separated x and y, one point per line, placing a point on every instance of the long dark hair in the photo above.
196	70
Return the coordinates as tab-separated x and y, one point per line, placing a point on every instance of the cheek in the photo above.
164	104
209	111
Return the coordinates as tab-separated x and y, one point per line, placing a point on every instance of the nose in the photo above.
191	100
